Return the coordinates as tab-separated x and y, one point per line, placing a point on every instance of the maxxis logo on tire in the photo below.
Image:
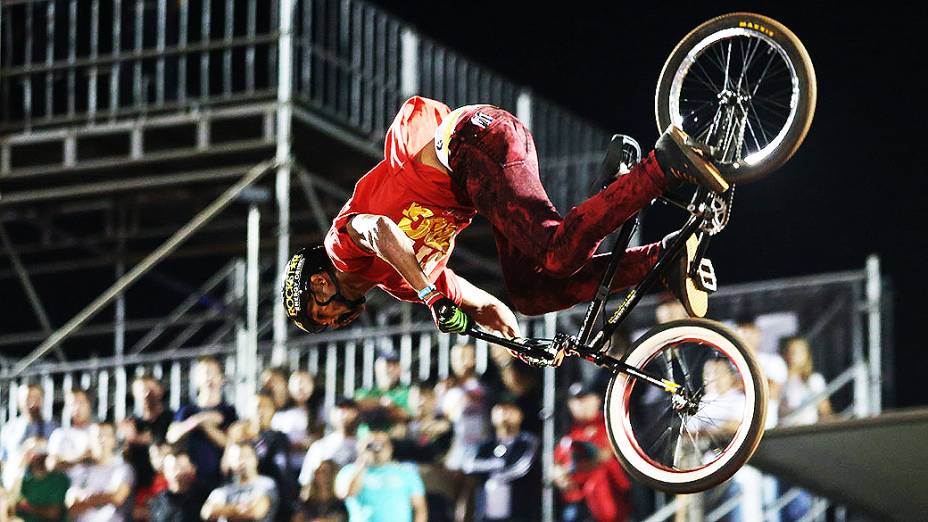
757	27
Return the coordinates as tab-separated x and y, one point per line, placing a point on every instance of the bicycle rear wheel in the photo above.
744	85
692	437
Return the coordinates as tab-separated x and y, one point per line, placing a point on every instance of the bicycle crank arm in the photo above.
546	353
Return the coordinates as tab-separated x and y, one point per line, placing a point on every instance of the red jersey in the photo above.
418	198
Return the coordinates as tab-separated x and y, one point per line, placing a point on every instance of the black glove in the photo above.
448	317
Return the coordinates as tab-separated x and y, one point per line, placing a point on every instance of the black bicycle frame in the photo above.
595	351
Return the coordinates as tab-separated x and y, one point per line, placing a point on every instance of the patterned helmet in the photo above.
296	291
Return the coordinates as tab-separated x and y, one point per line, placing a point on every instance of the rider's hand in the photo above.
448	317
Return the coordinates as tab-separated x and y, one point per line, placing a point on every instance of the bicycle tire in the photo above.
627	437
780	38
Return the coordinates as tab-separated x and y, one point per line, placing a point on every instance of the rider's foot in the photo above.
622	154
677	279
683	160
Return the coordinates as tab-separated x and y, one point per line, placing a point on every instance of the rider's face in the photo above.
334	313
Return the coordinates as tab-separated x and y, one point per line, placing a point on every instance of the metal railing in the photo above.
343	361
83	61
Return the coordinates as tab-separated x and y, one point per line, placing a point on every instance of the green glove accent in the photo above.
449	317
457	323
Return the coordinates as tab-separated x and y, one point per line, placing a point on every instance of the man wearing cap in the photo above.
593	486
509	466
440	169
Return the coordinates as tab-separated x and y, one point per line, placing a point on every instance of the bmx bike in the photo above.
686	404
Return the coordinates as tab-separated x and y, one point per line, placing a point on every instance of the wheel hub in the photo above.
737	98
685	404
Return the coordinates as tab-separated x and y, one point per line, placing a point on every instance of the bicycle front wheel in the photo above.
744	85
699	430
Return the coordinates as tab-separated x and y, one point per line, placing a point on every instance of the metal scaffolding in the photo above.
104	101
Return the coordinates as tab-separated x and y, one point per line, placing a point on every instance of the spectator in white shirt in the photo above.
802	385
249	496
772	365
340	446
299	420
70	446
100	490
28	424
465	401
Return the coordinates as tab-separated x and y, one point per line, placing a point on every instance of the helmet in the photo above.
296	291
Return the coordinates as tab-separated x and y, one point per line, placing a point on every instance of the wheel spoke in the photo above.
668	364
714	56
660	420
696	77
775	120
759	123
749	59
678	446
780	67
763	73
707	77
763	100
657	442
692	439
728	65
713	433
698	109
753	135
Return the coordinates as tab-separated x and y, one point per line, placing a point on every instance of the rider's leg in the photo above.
533	291
496	168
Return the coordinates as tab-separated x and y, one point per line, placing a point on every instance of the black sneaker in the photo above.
677	279
622	154
683	159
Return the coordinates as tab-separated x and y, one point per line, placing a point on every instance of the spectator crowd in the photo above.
464	448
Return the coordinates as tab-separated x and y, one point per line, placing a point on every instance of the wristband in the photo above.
425	292
436	295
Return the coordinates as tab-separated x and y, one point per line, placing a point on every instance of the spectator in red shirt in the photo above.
441	168
593	486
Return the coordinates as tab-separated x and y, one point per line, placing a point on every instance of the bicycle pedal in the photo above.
704	276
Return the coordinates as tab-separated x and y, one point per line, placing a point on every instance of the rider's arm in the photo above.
380	235
487	310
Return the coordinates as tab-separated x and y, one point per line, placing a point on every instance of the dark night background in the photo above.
856	186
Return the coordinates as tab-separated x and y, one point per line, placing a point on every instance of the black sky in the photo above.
858	184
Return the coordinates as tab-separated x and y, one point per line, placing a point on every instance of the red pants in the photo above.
548	260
